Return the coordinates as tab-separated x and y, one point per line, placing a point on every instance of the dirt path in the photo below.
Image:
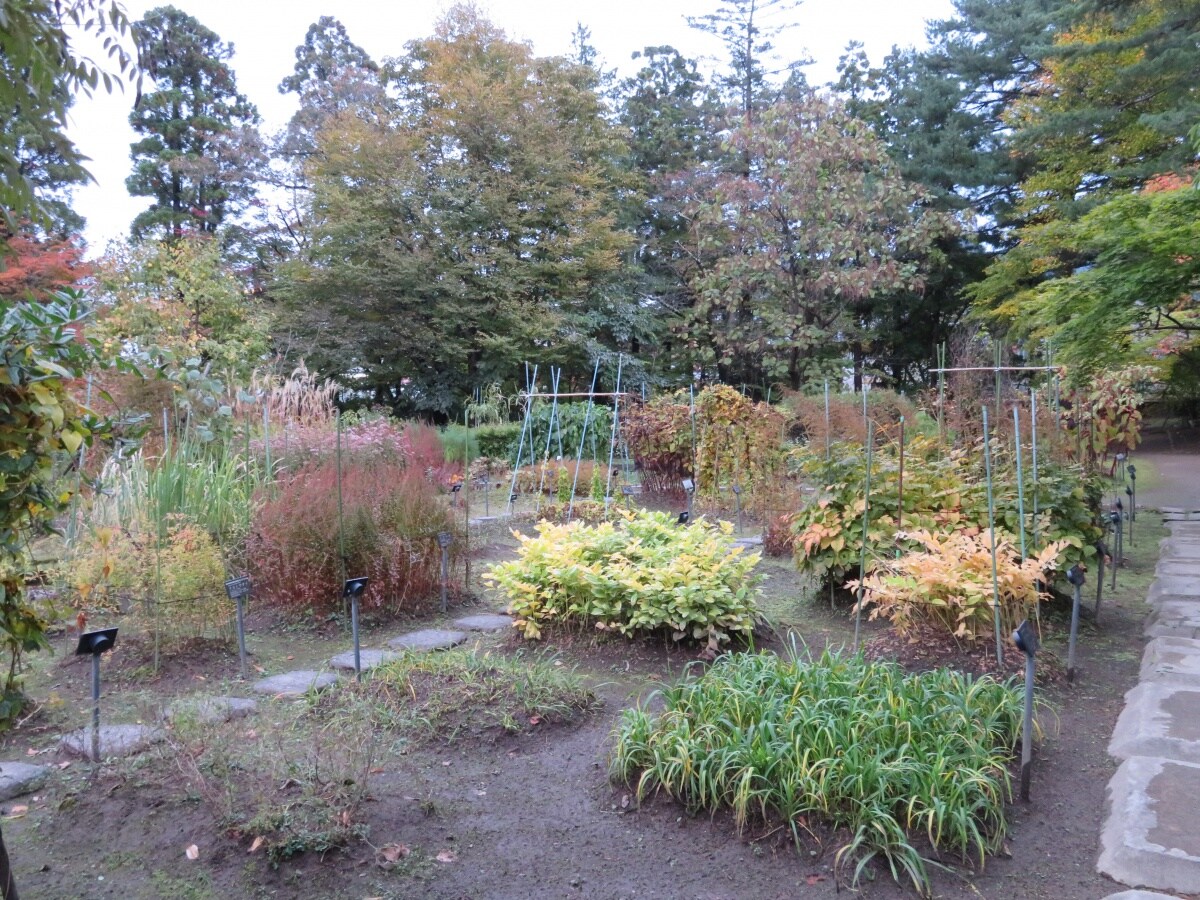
1178	465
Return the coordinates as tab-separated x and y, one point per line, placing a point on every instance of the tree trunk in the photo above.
8	886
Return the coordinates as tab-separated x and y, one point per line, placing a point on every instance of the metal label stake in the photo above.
352	590
94	643
1076	578
1026	639
445	539
238	589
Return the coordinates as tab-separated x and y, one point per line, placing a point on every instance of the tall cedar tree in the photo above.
201	154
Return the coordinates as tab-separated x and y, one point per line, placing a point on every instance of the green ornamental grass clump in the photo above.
642	575
895	759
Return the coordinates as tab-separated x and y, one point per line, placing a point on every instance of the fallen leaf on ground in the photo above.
291	657
535	720
260	670
258	842
815	879
192	852
64	764
393	852
446	856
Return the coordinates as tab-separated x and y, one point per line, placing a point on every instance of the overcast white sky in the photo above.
265	34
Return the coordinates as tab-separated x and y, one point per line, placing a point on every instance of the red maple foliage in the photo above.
32	267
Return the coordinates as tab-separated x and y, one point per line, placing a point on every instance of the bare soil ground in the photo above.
533	814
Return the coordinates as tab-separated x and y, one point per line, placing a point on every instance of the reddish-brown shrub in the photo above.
392	515
777	536
846	423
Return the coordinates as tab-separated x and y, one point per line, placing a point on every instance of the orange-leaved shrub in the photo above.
948	583
392	514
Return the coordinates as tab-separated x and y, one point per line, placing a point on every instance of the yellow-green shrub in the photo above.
949	583
642	575
176	586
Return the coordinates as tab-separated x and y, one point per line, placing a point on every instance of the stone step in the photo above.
484	622
1150	839
428	639
1172	660
115	741
293	684
211	710
1173	617
1189	567
1159	720
17	778
1179	585
367	659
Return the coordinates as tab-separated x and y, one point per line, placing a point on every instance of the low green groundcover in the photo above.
891	757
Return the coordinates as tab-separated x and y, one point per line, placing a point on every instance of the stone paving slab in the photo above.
17	778
1180	548
1174	618
1160	720
211	710
115	740
428	639
484	622
1141	895
1187	566
1173	660
1180	585
293	684
367	659
1150	839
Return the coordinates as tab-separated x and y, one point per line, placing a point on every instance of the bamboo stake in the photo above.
612	442
862	565
987	456
1033	436
827	433
587	416
1020	482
